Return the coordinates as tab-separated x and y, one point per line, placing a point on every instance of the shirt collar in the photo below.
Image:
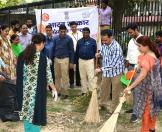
110	44
87	39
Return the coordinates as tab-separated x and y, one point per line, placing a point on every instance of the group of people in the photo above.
38	61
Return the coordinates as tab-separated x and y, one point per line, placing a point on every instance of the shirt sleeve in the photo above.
49	74
146	62
53	49
128	52
95	47
109	11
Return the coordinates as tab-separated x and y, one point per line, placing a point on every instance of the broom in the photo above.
110	124
92	114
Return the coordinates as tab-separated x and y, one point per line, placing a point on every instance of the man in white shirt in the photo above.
24	36
133	52
75	35
132	59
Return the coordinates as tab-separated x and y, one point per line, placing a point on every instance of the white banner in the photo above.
84	16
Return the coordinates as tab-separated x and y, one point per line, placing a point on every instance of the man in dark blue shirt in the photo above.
48	47
85	54
49	42
63	53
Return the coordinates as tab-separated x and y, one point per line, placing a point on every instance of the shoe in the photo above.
129	111
71	85
59	94
152	130
103	108
134	118
83	94
78	85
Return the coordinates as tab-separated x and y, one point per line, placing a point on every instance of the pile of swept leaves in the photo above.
81	103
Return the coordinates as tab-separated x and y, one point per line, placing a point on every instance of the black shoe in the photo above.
129	111
71	85
59	94
152	130
134	118
83	94
103	108
78	85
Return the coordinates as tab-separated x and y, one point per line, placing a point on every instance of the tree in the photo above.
6	3
119	7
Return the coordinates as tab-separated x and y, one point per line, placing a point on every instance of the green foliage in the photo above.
7	3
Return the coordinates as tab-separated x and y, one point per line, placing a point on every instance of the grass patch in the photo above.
81	103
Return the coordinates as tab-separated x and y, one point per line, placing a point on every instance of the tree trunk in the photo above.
119	7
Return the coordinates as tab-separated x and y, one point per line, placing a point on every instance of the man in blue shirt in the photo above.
113	68
48	46
63	53
49	42
85	54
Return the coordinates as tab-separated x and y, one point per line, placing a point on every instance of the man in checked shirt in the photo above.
112	69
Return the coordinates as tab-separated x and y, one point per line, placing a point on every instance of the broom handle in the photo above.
98	39
131	79
132	76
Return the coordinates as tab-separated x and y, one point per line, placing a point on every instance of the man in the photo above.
31	28
49	42
132	58
48	46
24	36
75	35
15	27
105	15
63	52
159	44
112	70
133	52
85	53
159	41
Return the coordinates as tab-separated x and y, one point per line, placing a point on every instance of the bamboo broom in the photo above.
92	114
110	124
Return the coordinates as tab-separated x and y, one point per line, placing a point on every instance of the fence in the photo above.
148	15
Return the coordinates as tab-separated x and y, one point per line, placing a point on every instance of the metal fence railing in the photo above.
148	15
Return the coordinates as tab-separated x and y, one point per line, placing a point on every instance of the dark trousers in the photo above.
77	76
71	76
52	71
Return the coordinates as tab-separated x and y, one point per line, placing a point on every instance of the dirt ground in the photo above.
63	117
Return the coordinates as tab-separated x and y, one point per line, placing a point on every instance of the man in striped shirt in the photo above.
112	69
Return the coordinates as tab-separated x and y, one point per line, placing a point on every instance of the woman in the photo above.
6	53
149	84
33	76
16	45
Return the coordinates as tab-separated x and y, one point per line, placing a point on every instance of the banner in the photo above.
84	16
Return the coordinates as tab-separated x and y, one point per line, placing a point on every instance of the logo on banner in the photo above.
66	15
45	17
86	14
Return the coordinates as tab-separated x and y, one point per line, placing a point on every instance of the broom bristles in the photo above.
92	114
110	124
